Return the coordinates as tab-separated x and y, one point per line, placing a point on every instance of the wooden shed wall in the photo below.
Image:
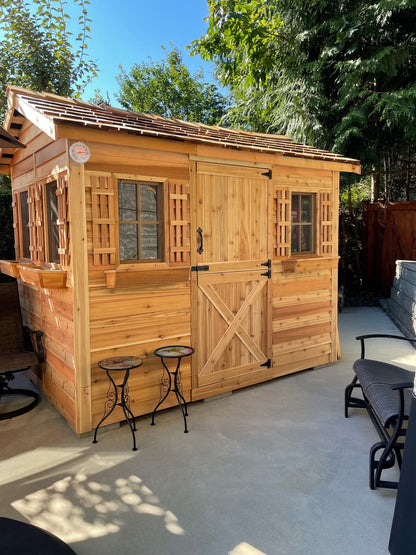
50	310
150	304
305	288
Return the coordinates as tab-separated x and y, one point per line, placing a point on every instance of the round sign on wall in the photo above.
79	152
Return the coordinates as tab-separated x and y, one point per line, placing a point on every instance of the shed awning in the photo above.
8	141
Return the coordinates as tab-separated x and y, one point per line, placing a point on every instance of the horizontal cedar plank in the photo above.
301	309
282	336
307	297
23	167
101	306
157	170
31	320
298	286
141	349
22	181
29	133
59	301
36	142
299	365
59	351
60	367
55	165
306	173
102	152
58	329
301	321
49	152
302	266
303	355
61	400
149	277
59	379
300	344
116	138
123	333
303	277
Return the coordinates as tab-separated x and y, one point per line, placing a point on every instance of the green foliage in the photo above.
339	74
38	51
167	88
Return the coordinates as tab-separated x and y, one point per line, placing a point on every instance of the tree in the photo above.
167	88
36	50
339	74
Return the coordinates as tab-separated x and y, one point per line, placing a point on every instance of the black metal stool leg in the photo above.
168	390
110	403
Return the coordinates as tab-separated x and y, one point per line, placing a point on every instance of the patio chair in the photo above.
20	349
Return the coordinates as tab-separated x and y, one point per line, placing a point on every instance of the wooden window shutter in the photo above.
282	223
63	219
327	225
16	224
36	223
179	224
103	220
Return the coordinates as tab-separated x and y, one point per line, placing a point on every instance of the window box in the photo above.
43	277
9	267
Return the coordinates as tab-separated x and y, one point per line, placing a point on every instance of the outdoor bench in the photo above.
386	392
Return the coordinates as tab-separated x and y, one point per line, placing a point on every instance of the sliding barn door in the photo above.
231	316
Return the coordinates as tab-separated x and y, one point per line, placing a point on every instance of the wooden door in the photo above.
231	311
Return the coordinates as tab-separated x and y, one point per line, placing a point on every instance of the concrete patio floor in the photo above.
274	467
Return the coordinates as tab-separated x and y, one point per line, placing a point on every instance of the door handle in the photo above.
200	249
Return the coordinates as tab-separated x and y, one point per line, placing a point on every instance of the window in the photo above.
141	220
52	222
302	223
24	223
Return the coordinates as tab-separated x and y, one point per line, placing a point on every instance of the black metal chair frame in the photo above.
392	432
9	375
21	349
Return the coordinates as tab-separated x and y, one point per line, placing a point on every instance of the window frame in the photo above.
24	229
160	222
313	224
51	236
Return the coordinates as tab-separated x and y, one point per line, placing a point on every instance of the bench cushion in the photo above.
386	402
376	378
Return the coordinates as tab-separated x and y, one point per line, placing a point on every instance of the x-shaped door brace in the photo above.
234	324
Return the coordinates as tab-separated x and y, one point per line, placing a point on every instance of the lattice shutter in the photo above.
16	220
63	219
282	223
36	223
326	209
103	220
179	225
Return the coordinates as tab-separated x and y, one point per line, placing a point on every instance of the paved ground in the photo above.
276	467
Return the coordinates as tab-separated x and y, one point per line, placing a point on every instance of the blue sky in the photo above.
124	32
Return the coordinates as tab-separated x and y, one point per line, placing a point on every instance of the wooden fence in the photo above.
389	234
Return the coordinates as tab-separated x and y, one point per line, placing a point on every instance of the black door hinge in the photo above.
268	174
267	274
199	268
267	364
268	263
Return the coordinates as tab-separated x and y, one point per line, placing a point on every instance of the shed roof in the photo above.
49	111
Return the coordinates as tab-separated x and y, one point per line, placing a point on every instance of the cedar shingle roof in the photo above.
60	110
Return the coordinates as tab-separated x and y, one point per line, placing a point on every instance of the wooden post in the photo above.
76	191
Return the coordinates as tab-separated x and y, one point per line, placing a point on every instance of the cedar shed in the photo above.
134	232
